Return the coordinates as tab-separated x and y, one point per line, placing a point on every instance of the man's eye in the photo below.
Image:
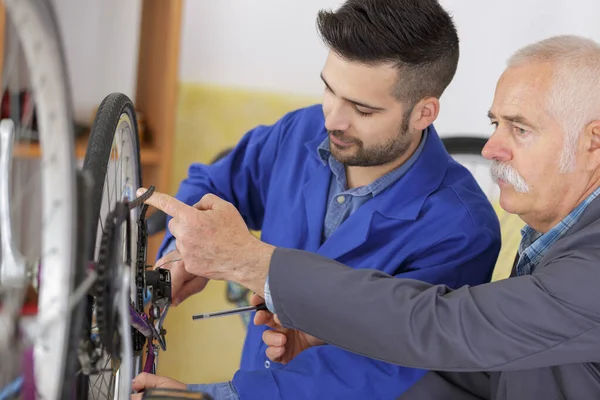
362	113
520	131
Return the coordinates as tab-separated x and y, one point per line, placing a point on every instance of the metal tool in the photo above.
230	312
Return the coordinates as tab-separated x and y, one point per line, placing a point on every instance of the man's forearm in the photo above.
256	268
419	325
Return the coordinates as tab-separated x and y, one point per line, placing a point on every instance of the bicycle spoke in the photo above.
110	387
121	162
116	168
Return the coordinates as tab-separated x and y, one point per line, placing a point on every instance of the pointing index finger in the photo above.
168	204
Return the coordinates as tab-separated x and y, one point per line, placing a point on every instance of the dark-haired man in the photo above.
363	179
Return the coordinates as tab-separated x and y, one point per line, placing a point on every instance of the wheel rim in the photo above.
121	181
41	51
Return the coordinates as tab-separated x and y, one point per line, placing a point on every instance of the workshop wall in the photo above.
273	46
101	39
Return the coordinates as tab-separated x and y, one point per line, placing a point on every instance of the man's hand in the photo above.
284	343
148	381
214	241
183	283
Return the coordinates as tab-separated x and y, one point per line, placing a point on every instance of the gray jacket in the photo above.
527	337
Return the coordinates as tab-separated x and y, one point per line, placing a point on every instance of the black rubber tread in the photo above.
96	163
84	187
99	146
464	144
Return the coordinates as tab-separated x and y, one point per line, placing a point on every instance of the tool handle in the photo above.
234	311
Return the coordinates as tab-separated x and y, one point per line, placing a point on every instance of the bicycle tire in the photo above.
464	144
96	162
100	144
35	26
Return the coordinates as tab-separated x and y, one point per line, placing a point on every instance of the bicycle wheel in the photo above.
38	190
113	160
467	152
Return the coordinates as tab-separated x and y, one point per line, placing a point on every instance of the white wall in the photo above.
490	31
101	41
273	45
263	44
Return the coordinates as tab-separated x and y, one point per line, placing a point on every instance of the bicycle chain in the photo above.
140	273
104	290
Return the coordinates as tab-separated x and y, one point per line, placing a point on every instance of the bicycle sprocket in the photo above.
107	287
110	257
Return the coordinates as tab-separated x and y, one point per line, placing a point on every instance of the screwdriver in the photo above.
230	312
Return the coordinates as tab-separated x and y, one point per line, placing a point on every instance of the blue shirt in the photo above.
534	244
341	203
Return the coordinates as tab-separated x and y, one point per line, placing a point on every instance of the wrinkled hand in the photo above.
214	240
148	381
183	283
284	343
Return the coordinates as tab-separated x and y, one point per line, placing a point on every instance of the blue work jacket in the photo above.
433	224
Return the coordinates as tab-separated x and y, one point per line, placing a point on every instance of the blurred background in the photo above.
226	66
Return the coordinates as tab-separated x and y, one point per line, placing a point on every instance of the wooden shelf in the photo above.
149	155
155	97
156	91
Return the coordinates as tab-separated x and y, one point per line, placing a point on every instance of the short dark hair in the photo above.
417	36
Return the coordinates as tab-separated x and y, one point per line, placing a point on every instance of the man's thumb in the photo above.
256	300
209	202
143	381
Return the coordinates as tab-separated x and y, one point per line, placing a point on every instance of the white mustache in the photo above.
505	172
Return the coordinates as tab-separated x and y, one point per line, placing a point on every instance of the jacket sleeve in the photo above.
241	178
549	318
331	372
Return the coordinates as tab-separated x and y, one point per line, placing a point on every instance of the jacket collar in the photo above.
402	200
405	198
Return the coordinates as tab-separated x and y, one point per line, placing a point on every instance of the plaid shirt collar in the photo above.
534	245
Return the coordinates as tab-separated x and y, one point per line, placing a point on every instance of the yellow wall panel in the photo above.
210	119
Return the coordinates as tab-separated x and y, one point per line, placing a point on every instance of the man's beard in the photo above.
378	154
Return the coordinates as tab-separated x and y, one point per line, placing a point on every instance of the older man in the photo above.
535	335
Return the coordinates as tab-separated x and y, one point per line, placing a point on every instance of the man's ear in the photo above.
425	112
592	134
